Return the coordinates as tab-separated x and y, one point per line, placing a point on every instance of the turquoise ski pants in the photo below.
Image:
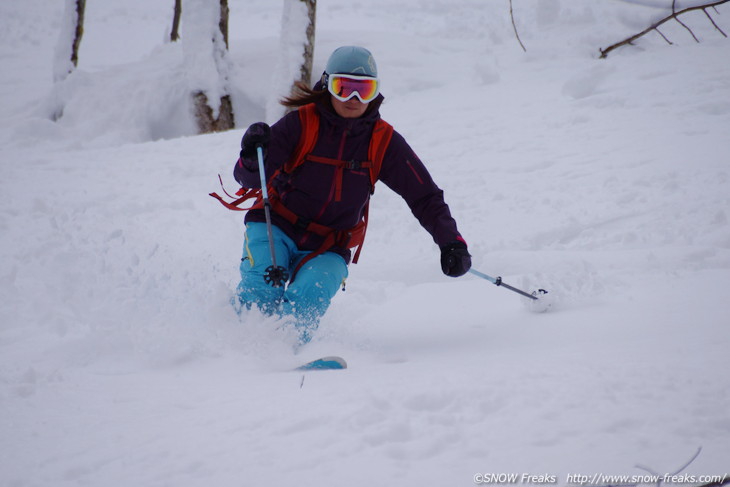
305	300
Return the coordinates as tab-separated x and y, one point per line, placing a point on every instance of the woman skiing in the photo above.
321	162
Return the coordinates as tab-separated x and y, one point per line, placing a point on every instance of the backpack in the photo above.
350	238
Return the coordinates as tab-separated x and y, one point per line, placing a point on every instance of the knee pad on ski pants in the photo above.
305	299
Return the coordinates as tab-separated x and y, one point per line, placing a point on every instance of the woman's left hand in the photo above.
455	259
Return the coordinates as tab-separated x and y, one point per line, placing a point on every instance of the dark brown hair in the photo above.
304	95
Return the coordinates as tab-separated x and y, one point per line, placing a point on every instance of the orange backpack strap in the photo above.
379	141
309	119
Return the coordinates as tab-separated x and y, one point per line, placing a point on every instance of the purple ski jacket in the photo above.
310	190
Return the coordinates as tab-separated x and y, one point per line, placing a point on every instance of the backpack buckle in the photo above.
302	223
342	239
354	165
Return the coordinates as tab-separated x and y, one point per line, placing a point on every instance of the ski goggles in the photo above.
345	86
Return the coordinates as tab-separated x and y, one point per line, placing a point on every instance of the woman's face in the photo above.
352	108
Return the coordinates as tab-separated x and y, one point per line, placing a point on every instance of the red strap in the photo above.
341	238
233	205
354	237
244	195
379	141
309	119
336	162
340	165
284	212
356	257
326	245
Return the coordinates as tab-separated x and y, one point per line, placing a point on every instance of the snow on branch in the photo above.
674	15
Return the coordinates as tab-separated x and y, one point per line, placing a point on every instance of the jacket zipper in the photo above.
330	197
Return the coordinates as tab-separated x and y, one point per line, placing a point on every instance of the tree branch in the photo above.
688	29
78	31
175	33
674	15
713	21
511	14
664	37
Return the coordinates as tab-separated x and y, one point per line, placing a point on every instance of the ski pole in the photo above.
498	282
275	275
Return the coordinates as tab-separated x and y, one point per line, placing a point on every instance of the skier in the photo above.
321	162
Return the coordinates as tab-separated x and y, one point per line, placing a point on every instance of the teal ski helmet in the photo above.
352	60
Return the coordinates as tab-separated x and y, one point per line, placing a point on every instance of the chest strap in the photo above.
340	167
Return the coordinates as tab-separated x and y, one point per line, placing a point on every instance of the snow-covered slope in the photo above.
604	181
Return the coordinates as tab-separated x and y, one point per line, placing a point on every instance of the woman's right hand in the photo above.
258	134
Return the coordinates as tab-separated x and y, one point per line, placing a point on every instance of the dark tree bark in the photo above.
79	33
223	24
306	69
204	114
67	50
175	33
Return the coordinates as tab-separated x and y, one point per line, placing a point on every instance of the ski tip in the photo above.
325	363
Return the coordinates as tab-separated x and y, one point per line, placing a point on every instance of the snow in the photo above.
605	182
204	48
288	67
62	60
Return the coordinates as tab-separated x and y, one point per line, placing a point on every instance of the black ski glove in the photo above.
257	134
455	259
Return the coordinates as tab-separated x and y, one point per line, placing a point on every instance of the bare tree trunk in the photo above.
205	114
223	24
67	49
296	53
306	68
66	56
175	33
79	32
225	120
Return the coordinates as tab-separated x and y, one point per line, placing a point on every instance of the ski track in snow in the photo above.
604	181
